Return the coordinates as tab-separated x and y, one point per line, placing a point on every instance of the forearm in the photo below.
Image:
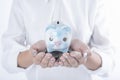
25	59
93	62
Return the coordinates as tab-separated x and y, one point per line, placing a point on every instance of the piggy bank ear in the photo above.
49	27
67	29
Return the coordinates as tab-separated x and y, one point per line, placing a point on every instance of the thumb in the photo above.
39	46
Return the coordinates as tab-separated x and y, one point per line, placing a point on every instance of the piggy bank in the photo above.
58	38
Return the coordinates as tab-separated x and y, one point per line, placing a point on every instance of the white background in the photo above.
112	8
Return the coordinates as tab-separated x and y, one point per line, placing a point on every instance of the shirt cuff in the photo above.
107	64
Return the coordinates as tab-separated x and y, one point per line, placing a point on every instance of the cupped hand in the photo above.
41	58
45	60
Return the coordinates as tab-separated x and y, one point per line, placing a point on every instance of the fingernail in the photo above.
52	60
48	55
56	64
65	55
63	60
61	63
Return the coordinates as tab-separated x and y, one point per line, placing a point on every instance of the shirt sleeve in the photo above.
13	40
100	42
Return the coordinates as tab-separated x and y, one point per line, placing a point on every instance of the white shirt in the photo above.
28	20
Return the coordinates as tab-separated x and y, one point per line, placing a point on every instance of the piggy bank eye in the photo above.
51	39
64	39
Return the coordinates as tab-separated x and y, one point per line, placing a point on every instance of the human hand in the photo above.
30	56
40	57
45	60
76	57
72	59
77	45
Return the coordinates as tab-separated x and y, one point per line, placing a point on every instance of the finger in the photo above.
51	62
65	62
84	58
39	46
45	60
87	53
56	64
37	59
77	56
72	61
60	63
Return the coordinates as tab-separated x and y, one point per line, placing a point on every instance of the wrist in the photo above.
25	59
93	62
